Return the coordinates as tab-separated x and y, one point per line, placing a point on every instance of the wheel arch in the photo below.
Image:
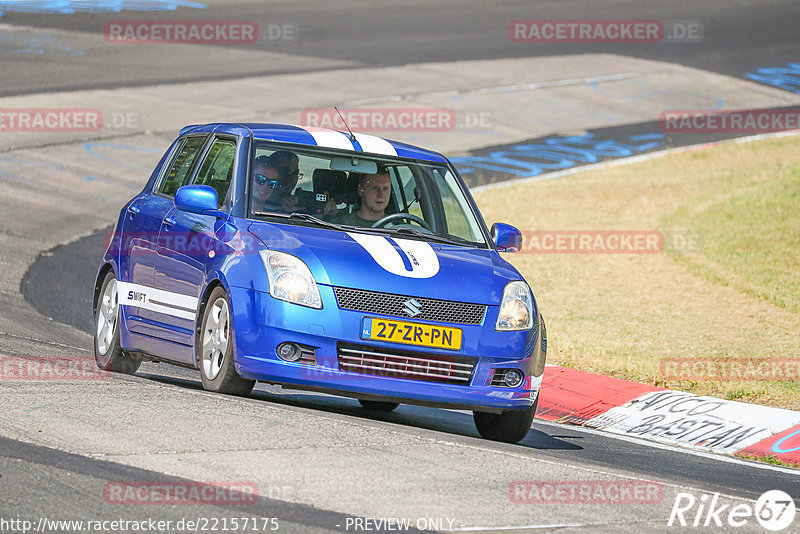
98	282
539	354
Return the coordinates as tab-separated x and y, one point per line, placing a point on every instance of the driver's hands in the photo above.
330	205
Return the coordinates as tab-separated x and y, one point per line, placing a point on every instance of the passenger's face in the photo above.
287	176
261	192
375	194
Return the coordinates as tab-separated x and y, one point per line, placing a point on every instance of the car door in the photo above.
187	241
141	226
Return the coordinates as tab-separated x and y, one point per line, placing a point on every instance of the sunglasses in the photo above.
261	180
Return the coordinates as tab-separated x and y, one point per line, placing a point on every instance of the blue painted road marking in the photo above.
91	149
777	446
557	153
68	7
37	44
787	78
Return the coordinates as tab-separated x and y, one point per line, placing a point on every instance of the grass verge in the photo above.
734	293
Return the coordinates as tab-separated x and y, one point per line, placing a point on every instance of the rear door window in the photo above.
183	162
216	170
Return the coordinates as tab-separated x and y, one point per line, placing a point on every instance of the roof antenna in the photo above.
352	135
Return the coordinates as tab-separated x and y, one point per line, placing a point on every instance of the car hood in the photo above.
391	264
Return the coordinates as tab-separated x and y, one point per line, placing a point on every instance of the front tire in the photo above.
508	427
214	345
108	353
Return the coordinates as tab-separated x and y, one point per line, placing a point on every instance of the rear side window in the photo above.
181	165
217	168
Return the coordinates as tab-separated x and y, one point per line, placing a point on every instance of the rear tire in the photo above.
214	349
509	427
378	406
108	353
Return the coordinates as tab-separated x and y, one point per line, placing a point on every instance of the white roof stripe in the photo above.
375	145
329	138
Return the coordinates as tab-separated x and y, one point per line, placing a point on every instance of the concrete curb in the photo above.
667	416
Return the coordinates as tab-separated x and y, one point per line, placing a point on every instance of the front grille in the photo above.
378	361
444	311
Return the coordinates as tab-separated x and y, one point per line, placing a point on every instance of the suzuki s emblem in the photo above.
412	307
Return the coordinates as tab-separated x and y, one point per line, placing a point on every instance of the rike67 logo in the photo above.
774	510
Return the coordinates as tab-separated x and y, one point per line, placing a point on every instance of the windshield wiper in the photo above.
270	214
424	235
299	216
316	220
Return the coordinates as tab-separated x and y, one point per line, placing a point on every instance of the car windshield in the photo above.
416	199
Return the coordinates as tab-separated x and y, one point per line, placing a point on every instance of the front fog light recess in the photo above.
516	308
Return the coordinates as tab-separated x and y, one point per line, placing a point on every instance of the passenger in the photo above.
289	174
287	164
265	185
374	190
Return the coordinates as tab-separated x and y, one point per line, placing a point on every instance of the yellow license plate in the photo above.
424	335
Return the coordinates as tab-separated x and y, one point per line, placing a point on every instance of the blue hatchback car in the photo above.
315	259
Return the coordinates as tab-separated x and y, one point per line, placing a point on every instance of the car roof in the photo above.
323	137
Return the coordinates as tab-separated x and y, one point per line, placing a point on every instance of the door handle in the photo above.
134	210
170	221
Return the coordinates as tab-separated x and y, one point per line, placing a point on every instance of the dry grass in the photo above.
620	315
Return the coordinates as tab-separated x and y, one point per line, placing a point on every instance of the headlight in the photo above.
516	308
290	279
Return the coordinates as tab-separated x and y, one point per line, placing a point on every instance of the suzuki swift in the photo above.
327	261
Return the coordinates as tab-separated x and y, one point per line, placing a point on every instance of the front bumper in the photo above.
261	323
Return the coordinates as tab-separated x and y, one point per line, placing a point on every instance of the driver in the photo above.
374	191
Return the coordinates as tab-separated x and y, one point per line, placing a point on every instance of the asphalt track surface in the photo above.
738	37
78	262
44	480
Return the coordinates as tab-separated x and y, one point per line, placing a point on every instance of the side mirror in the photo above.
200	199
506	237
